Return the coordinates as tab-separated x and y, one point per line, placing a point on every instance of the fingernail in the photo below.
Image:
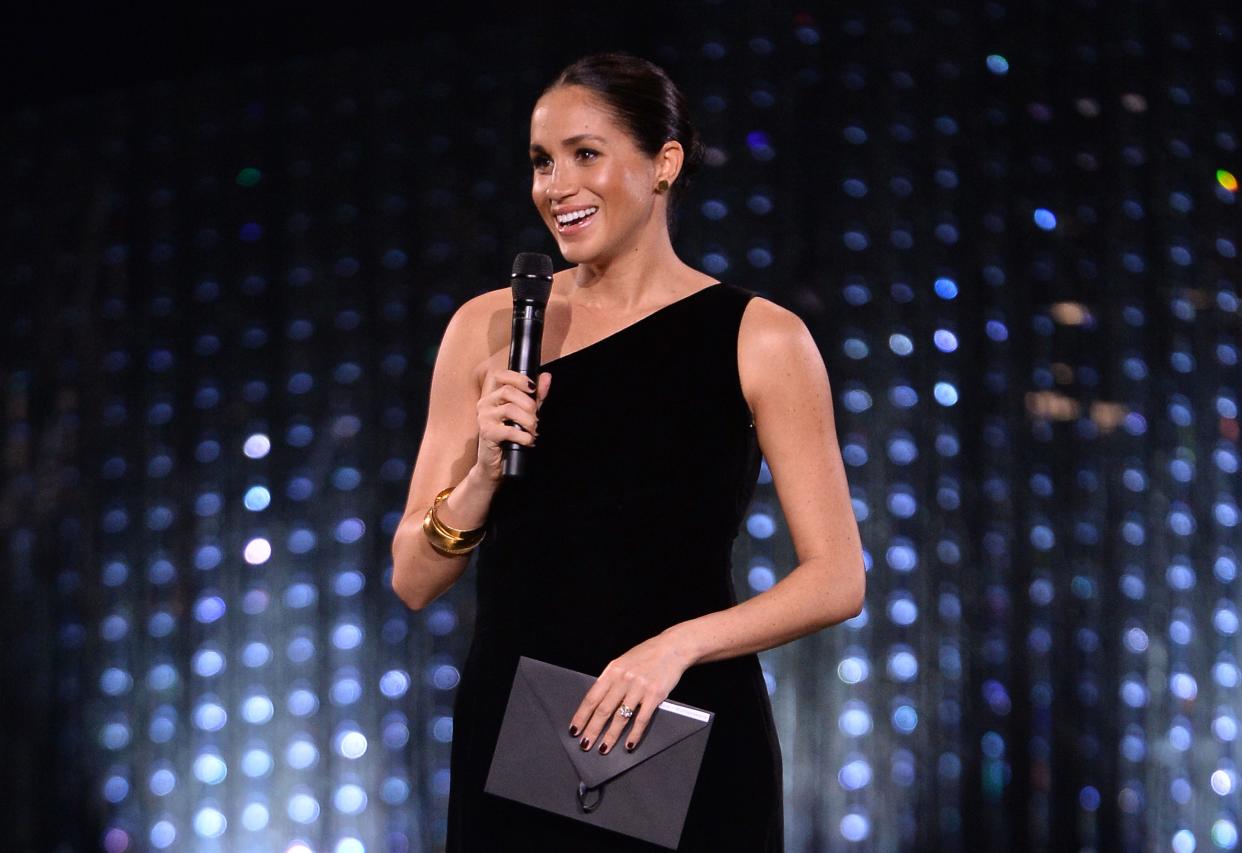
530	383
603	749
585	743
573	731
629	747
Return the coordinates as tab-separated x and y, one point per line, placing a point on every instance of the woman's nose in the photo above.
560	185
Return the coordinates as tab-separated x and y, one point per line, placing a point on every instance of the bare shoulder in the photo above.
774	344
481	327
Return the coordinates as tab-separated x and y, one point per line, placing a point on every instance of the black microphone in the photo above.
531	281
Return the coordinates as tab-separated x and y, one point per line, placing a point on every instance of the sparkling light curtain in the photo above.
1011	228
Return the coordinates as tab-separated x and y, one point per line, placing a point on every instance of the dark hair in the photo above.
647	103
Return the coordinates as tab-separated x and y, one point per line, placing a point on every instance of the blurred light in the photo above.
257	763
998	65
350	799
1045	219
1225	834
255	816
257	498
1223	782
209	609
258	709
209	768
760	525
1070	314
855	720
347	636
760	578
210	716
394	683
163	834
257	551
209	822
303	808
351	744
301	754
1227	180
257	446
853	670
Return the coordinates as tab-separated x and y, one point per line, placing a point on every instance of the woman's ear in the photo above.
668	161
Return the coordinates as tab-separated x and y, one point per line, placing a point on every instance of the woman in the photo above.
613	556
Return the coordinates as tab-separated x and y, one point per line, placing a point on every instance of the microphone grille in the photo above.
532	265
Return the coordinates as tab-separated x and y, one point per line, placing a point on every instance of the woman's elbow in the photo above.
858	591
410	597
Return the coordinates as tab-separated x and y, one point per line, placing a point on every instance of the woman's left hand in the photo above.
641	679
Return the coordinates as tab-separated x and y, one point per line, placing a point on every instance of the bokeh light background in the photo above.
1012	229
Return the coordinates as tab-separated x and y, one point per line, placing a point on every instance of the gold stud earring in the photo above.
662	185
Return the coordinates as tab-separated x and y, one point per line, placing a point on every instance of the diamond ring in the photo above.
625	711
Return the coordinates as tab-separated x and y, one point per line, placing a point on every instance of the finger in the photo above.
497	429
519	380
619	722
545	382
642	717
516	412
523	400
602	715
515	433
517	396
583	715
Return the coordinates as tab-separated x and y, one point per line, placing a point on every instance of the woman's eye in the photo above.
587	153
539	162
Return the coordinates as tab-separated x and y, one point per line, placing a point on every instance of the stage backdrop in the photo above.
1012	230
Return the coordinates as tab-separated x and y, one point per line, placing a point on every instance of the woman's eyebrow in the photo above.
582	137
572	140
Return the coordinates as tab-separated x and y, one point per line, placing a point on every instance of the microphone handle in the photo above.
524	357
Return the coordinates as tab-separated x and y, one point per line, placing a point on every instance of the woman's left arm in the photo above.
786	384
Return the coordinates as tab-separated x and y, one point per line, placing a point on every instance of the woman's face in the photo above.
593	186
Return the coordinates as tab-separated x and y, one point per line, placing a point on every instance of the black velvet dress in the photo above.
646	461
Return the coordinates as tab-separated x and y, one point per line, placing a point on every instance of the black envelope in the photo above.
644	793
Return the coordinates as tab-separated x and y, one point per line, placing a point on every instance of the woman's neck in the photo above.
634	279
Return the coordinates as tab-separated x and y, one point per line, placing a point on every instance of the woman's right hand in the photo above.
507	396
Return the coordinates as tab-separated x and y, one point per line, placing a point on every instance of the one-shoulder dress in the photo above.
645	463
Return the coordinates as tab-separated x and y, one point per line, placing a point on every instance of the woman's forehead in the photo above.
571	111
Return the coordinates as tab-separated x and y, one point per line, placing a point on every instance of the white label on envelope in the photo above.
693	713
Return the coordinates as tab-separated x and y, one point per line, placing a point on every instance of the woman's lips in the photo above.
575	226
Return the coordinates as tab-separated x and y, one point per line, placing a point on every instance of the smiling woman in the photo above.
613	557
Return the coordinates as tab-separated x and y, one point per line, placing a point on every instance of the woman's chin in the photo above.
574	252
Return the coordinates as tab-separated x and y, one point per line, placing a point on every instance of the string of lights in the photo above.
1012	229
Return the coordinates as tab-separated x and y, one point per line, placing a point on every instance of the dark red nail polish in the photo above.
603	749
629	747
585	743
573	731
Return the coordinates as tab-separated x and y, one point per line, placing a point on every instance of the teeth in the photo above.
566	218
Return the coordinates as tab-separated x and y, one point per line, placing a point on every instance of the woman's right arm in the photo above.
460	448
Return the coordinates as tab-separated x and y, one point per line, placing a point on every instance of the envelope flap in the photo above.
559	691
